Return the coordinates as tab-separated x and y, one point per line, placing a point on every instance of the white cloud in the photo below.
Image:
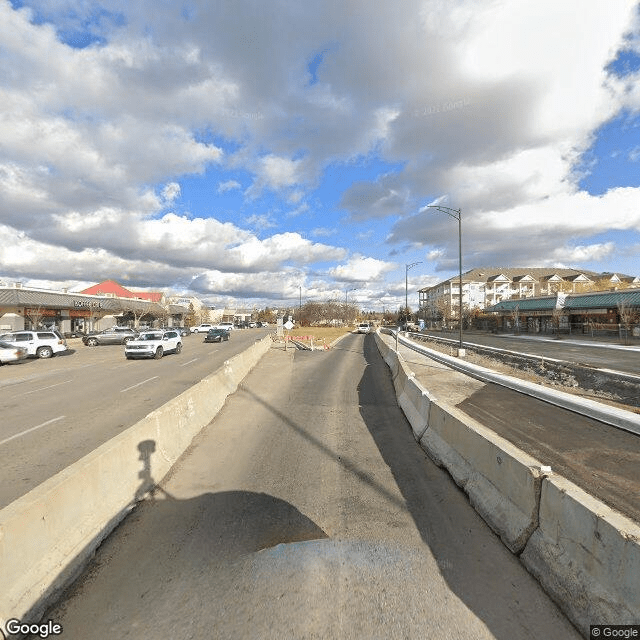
361	269
579	254
170	192
228	185
490	104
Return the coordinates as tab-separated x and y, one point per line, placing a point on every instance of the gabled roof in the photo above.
580	277
108	286
525	278
116	289
516	274
498	276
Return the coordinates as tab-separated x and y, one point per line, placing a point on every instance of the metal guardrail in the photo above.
619	418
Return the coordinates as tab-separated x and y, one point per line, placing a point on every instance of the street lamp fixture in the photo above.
406	288
457	214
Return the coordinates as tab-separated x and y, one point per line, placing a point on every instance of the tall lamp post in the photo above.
406	288
457	214
346	304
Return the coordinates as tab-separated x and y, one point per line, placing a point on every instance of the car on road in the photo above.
113	335
216	335
153	344
202	328
11	353
364	327
41	344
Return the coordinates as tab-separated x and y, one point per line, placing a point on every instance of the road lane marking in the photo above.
190	361
137	385
51	386
22	433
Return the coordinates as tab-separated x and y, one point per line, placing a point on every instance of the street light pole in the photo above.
406	287
346	304
457	214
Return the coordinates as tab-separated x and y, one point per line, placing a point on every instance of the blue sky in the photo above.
241	151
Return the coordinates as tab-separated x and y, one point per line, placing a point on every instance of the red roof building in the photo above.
112	288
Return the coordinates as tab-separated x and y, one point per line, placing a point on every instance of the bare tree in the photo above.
35	316
191	320
136	309
628	317
515	316
444	309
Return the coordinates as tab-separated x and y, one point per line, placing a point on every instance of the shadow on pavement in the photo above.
466	552
172	563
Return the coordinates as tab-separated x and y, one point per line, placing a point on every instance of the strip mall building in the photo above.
99	307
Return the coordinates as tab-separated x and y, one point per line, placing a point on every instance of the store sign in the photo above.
93	304
40	312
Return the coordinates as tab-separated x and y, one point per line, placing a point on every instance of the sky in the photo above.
256	153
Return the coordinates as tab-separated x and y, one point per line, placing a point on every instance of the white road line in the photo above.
19	435
51	386
137	385
190	361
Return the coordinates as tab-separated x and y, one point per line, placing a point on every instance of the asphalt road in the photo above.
55	411
307	510
577	349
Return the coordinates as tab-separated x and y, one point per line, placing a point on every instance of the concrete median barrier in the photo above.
502	482
586	556
48	535
415	402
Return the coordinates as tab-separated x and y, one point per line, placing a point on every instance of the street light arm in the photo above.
454	213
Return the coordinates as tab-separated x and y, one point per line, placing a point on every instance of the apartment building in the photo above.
485	287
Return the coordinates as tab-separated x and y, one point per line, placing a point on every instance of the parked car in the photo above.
364	327
225	325
41	344
183	331
153	344
10	353
202	328
113	335
216	335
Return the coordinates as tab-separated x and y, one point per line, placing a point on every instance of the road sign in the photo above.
288	325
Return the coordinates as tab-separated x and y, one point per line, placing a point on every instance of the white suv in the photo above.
202	328
153	344
364	327
42	344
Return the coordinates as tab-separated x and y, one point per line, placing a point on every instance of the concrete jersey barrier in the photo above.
48	535
585	554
